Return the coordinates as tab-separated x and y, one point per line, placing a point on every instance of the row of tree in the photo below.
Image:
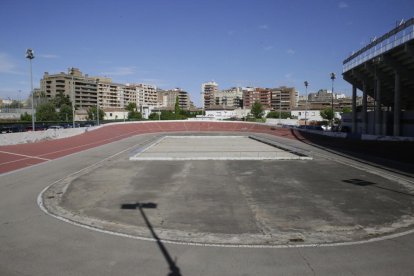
60	109
257	112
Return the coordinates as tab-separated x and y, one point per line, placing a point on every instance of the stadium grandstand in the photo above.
384	71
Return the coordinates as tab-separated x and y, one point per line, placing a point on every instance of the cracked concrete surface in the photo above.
236	202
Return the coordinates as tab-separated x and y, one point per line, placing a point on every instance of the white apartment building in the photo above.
208	91
232	97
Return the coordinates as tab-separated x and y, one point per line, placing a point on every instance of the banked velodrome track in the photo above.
35	243
19	156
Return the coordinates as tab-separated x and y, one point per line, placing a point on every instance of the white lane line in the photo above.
92	143
23	155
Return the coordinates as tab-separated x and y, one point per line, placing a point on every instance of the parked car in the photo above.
55	127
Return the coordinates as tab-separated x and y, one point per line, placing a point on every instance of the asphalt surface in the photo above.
35	243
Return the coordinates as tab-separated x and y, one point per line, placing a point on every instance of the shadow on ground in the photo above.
174	269
393	156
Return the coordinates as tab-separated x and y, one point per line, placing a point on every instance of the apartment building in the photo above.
252	95
110	95
284	98
82	89
232	98
167	99
88	91
208	91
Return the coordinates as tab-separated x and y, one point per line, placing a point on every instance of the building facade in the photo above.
167	99
282	98
82	89
232	98
208	91
86	91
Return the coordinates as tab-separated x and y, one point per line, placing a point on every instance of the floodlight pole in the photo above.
306	102
73	99
30	56
280	106
333	77
97	102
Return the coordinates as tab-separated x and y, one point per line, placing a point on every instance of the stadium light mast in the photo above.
306	102
333	77
73	98
97	102
30	56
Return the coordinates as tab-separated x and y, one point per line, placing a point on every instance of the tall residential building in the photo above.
167	99
86	91
208	91
82	89
281	98
284	98
232	97
261	95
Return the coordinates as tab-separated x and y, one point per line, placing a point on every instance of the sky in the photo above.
184	43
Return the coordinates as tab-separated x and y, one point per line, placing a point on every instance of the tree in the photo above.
65	113
177	106
61	99
25	117
134	115
346	110
275	114
257	110
327	114
46	112
14	104
92	113
131	107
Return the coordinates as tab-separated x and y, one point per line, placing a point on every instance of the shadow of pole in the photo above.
174	269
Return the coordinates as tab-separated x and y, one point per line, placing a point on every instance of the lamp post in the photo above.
30	56
97	102
306	102
333	77
280	106
73	98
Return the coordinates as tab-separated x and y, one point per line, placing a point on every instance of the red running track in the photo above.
24	155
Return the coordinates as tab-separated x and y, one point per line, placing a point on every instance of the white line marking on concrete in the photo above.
23	155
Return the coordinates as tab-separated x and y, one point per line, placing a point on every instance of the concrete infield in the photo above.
198	147
233	202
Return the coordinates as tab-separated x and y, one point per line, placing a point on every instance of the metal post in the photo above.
333	77
280	106
73	100
306	103
97	103
30	56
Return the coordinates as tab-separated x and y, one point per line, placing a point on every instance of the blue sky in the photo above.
183	43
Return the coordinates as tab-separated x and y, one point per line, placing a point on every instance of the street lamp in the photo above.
30	56
280	107
306	102
73	98
333	77
97	103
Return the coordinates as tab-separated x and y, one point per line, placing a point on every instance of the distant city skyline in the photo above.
186	43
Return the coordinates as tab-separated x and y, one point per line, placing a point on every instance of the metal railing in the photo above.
394	38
